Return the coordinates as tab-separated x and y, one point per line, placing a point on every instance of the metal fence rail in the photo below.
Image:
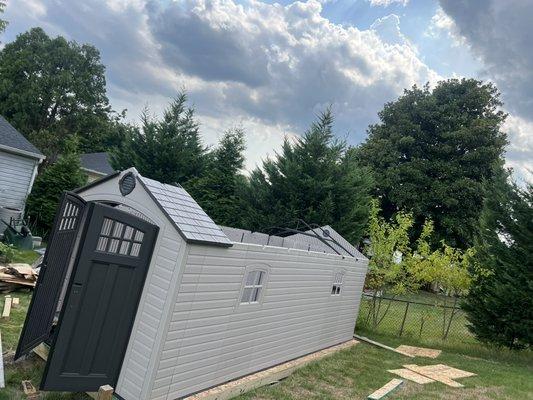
415	319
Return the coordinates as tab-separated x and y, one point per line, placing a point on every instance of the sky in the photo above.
271	67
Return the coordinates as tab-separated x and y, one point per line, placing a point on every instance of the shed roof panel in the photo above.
187	215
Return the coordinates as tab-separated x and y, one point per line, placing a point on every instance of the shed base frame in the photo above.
267	376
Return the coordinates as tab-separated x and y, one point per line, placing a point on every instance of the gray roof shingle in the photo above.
98	162
186	214
12	138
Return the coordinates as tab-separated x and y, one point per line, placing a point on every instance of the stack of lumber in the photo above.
17	276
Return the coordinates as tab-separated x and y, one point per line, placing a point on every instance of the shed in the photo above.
96	165
158	301
19	161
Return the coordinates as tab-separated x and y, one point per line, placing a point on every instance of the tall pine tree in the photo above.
218	189
317	179
500	302
169	150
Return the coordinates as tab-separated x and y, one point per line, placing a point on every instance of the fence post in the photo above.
404	317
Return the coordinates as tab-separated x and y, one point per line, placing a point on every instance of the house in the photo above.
96	165
159	302
19	161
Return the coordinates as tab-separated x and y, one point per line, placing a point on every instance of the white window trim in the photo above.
264	282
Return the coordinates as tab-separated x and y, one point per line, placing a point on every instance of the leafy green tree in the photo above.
51	88
315	178
218	189
64	174
169	150
500	302
396	267
431	151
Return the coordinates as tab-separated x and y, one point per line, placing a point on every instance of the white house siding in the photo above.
156	301
15	179
211	338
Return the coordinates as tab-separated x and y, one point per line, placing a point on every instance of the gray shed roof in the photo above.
97	162
12	139
298	241
186	214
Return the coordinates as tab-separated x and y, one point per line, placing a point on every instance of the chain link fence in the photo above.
423	321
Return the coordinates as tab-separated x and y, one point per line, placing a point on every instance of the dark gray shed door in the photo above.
101	301
40	316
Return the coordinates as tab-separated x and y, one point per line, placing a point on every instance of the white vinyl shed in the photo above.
214	303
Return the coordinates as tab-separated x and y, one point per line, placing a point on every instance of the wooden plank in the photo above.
419	351
411	375
266	377
29	390
7	307
385	389
433	374
42	350
105	392
2	380
383	346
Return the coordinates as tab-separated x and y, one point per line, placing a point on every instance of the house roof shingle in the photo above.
13	139
97	162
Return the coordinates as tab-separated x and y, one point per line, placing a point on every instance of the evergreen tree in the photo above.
431	152
500	302
316	179
169	150
65	174
217	190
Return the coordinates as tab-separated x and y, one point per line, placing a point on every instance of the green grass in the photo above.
356	372
25	256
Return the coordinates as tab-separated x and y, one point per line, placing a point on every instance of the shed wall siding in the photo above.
157	299
211	338
15	179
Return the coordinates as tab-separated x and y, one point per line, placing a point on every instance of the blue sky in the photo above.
270	67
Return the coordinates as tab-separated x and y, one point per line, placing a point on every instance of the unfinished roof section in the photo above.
333	238
313	240
186	214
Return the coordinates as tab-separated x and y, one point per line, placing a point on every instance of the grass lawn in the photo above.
350	374
356	372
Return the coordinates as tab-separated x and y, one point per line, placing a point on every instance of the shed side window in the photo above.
337	284
253	286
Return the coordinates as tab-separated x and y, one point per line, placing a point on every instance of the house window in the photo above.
253	287
337	284
119	238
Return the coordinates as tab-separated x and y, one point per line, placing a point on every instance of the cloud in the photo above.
499	33
269	67
388	29
520	151
386	3
442	24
